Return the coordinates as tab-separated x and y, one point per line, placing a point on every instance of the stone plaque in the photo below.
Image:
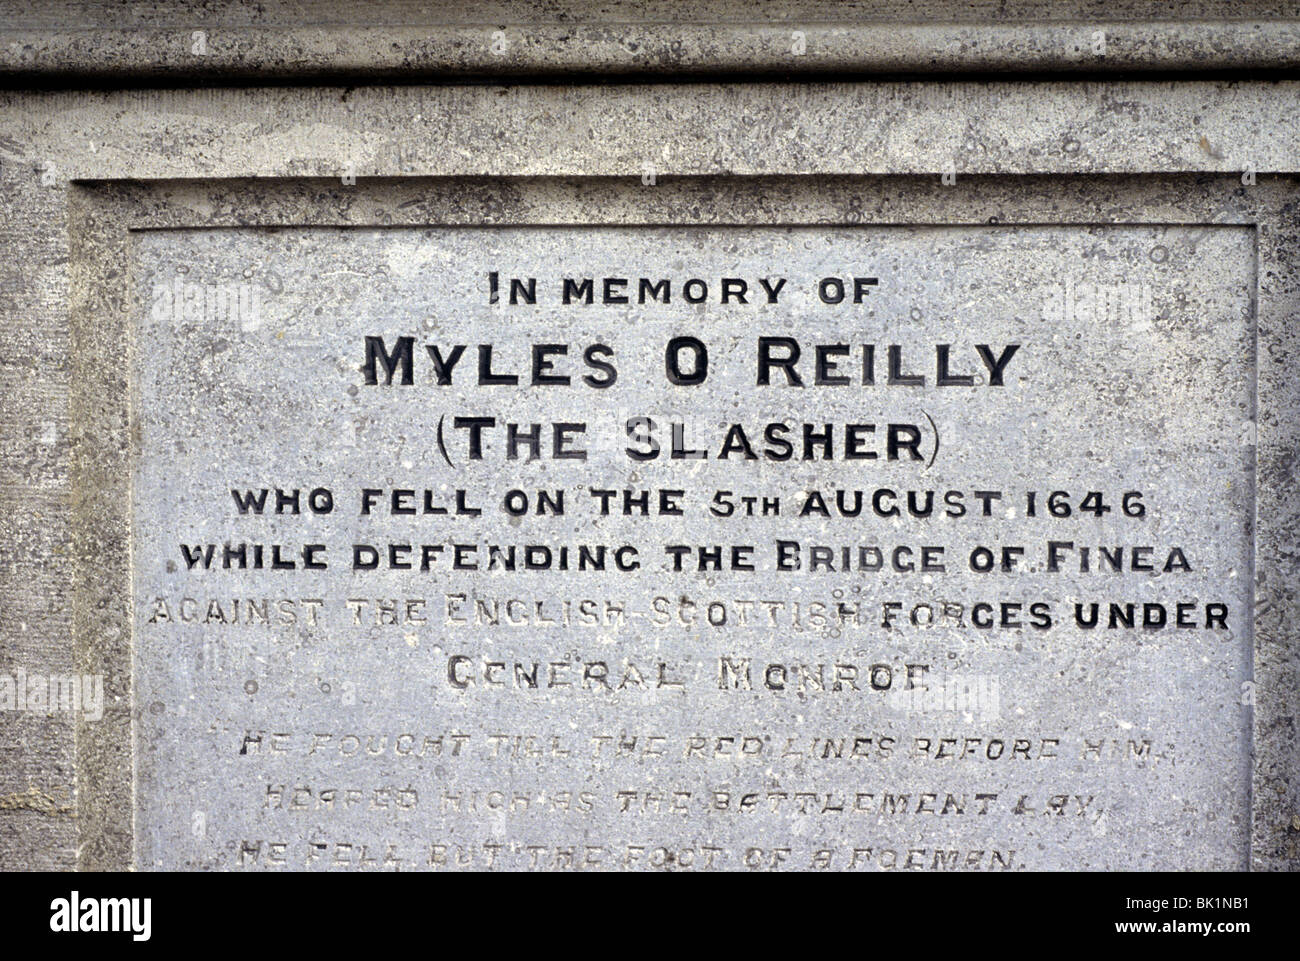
675	547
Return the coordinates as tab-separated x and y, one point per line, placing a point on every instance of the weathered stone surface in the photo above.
84	177
450	674
403	41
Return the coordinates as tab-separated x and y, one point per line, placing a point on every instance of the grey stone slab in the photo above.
83	172
104	262
687	203
391	718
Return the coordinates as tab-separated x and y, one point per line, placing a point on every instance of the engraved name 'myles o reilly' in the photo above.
780	361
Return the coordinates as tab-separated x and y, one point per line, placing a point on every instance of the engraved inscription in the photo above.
694	548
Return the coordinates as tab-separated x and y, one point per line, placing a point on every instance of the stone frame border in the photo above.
640	51
105	216
69	44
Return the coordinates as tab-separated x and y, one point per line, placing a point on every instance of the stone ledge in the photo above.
654	51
